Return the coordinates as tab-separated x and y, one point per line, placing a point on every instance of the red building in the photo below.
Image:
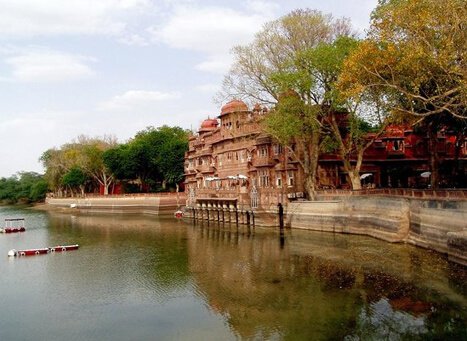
232	158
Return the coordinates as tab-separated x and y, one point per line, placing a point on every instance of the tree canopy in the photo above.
152	159
24	187
293	64
414	54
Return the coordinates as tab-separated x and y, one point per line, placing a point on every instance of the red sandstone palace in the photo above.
232	159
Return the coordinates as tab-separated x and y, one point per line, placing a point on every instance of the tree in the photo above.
274	67
38	190
23	187
56	166
84	153
161	153
171	154
345	117
414	55
74	179
90	159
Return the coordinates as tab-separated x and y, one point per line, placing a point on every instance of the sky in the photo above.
114	67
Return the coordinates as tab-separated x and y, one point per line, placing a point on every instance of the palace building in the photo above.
231	161
231	158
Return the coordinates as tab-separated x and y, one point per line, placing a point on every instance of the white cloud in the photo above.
48	66
52	17
267	8
209	88
134	39
137	99
216	63
209	30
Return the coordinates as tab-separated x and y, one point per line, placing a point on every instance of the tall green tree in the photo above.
161	152
276	67
171	154
75	179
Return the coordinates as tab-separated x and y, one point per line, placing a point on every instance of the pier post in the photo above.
281	216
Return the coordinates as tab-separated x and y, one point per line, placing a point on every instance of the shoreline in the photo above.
434	224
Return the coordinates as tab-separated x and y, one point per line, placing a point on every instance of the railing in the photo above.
404	192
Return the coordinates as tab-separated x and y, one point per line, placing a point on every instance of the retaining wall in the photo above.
148	204
435	224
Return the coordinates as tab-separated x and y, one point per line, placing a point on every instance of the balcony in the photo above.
265	161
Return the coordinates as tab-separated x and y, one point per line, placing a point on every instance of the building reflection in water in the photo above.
300	285
322	286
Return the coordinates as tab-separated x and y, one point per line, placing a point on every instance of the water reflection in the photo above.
323	286
140	277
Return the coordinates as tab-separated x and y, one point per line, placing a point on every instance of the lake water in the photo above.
139	277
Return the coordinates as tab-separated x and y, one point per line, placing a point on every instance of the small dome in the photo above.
208	125
235	105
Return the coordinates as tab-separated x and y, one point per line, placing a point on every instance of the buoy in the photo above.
178	214
40	251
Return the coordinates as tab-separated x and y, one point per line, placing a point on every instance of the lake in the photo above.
138	277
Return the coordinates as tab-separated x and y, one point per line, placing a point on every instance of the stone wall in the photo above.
439	225
148	204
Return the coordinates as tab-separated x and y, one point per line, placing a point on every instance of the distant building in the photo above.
231	158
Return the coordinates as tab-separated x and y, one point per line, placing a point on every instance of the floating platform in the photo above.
13	225
12	229
41	251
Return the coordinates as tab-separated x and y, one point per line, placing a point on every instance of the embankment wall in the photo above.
435	224
147	204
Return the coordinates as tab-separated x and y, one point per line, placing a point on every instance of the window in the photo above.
277	149
398	145
279	181
229	156
290	178
264	178
263	152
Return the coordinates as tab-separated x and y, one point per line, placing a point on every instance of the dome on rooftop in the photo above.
235	105
208	125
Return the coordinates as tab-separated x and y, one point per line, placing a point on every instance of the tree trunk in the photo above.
313	163
355	179
434	160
